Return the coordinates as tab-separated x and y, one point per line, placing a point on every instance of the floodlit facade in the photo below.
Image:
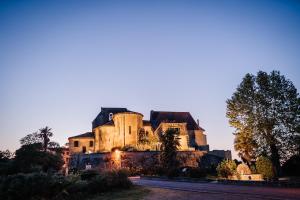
120	127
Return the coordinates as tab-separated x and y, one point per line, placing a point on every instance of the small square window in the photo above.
76	143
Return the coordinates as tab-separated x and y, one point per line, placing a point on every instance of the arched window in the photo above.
110	116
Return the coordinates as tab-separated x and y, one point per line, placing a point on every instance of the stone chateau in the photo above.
120	127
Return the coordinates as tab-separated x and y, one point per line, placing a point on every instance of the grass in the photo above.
134	193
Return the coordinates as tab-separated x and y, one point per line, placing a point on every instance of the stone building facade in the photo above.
120	127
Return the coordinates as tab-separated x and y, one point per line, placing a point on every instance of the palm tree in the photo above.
170	145
45	134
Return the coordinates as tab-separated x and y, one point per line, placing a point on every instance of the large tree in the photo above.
265	110
42	136
32	157
170	144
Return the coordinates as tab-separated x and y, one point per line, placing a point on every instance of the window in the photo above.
110	116
129	129
91	143
76	143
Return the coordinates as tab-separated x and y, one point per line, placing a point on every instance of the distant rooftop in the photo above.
157	117
84	135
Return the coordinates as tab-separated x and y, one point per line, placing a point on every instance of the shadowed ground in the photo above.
192	191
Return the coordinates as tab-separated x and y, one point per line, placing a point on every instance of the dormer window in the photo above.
110	116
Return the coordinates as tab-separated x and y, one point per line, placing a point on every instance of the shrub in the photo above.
264	166
173	172
226	168
196	173
31	186
116	179
88	174
79	186
53	187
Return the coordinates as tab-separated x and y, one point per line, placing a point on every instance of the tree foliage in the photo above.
32	157
265	112
37	153
42	136
264	166
170	144
226	168
143	137
5	155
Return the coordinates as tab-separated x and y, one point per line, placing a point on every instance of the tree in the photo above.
143	137
5	155
265	167
38	152
170	144
45	134
265	110
6	162
33	157
245	145
226	168
42	137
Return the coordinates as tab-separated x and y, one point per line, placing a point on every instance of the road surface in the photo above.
188	190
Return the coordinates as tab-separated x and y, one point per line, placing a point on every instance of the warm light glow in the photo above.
118	153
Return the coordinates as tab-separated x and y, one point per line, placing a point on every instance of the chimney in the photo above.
198	122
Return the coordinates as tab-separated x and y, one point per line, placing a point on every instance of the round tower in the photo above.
127	126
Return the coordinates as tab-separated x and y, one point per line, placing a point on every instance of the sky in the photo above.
61	61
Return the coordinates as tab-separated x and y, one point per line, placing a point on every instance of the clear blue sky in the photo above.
60	61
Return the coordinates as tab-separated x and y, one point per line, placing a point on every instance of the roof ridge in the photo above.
171	111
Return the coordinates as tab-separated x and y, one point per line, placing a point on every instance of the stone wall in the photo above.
134	161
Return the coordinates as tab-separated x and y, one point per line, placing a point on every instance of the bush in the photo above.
226	168
196	173
116	179
88	174
173	172
264	166
31	186
52	187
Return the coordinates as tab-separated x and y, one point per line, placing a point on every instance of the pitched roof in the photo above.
103	117
84	135
157	117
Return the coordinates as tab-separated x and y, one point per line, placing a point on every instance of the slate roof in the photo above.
103	117
84	135
157	117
